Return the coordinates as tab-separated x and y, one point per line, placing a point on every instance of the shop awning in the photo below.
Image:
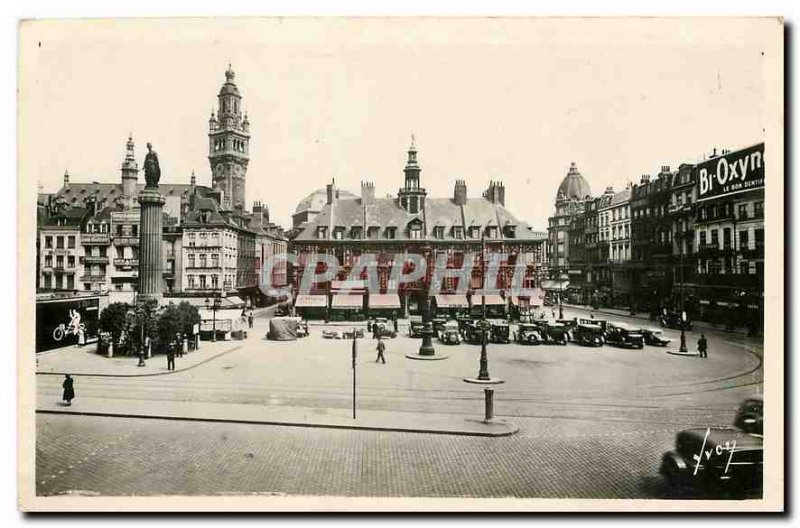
557	285
491	300
451	301
310	301
349	285
384	300
349	302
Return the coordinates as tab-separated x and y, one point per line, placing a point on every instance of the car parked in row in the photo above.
589	335
624	336
654	337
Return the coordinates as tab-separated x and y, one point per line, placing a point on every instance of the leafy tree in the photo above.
189	316
113	319
170	322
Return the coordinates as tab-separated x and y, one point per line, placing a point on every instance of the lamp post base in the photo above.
490	381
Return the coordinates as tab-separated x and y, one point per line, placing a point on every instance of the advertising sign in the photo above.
731	173
59	321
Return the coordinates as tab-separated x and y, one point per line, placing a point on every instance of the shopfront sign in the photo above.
731	173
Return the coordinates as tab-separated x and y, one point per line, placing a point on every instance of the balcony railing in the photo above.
91	259
93	277
102	239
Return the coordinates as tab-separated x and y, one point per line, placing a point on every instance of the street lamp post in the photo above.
426	348
213	306
683	348
483	373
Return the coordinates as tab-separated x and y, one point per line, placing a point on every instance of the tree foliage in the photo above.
113	319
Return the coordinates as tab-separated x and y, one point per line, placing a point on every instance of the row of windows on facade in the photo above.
725	210
730	266
710	239
414	232
204	281
119	229
97	252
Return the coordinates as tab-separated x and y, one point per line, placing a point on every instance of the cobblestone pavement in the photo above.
554	458
594	422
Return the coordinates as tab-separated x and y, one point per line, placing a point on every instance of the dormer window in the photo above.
356	232
474	232
372	231
391	233
338	233
511	231
438	232
322	232
491	232
458	232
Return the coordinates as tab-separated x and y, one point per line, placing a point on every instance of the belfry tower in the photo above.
229	144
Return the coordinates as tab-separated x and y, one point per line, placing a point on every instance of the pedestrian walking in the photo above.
702	346
250	319
394	322
553	310
381	349
69	390
171	359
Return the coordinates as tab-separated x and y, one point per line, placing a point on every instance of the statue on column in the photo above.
152	171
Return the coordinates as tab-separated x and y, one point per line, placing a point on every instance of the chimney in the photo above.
192	183
367	193
496	193
66	179
460	193
330	191
609	190
645	179
664	169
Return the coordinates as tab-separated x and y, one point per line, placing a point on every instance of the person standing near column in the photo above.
702	346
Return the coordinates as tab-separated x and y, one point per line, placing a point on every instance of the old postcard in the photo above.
401	264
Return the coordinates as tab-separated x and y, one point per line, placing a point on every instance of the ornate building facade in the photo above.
438	229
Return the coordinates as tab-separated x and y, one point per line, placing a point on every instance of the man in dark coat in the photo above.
702	346
394	322
171	358
69	390
250	318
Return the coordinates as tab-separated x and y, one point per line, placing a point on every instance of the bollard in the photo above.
489	393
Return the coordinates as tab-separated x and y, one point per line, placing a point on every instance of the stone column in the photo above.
150	233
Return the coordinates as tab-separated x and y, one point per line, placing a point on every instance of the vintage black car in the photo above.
528	334
588	335
654	337
500	332
438	324
719	462
673	320
569	325
450	334
602	323
624	336
415	327
556	334
472	332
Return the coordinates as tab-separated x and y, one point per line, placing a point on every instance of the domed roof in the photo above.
229	87
316	200
573	186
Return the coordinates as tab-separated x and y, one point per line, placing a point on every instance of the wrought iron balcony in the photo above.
95	239
92	259
126	240
126	262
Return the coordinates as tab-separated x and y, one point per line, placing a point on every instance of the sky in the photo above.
514	100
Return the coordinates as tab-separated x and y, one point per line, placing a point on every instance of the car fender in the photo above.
673	459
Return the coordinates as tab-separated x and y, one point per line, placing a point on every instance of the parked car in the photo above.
282	310
415	328
673	320
358	333
528	334
331	334
472	332
624	336
555	333
588	335
302	328
602	323
654	337
569	326
500	332
438	324
382	327
721	462
449	334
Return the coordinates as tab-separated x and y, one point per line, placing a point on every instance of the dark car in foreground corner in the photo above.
624	336
654	337
719	462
